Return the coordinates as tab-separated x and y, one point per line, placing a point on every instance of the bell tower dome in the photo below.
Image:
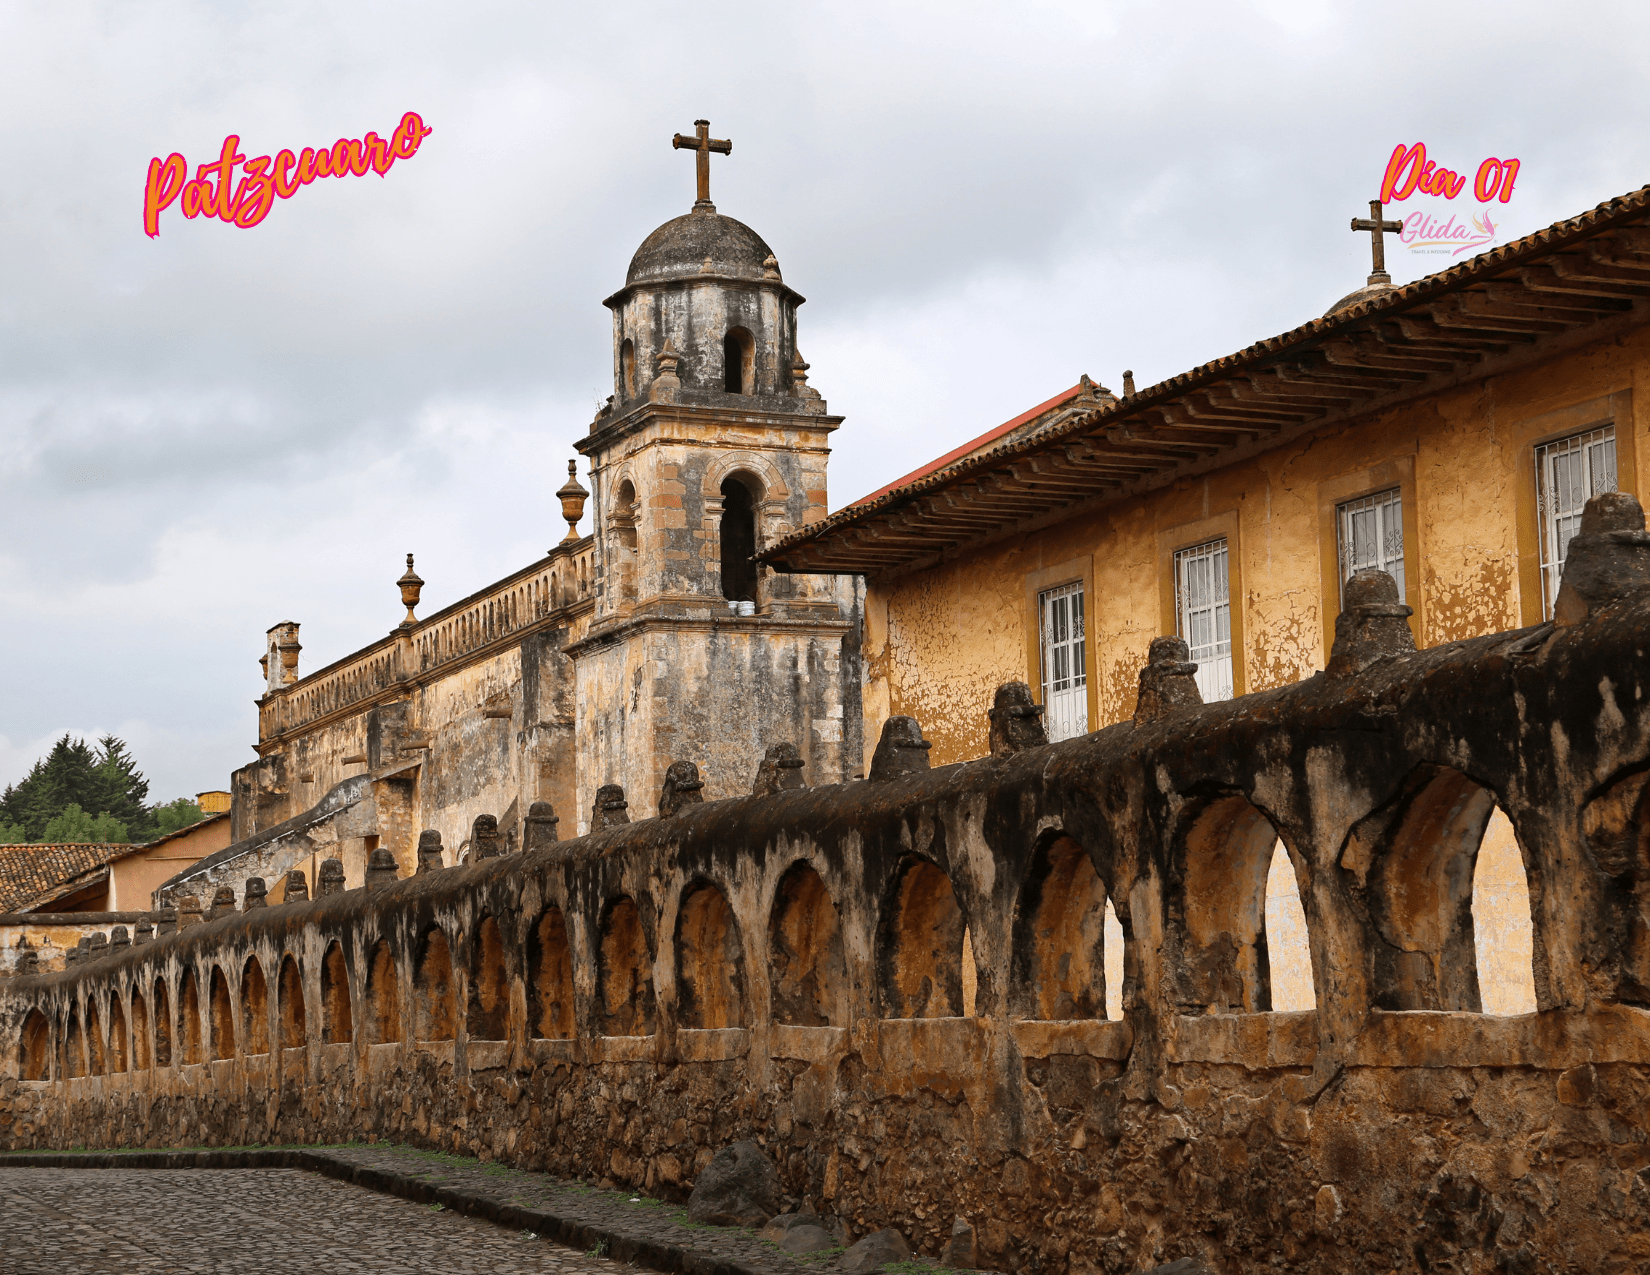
712	446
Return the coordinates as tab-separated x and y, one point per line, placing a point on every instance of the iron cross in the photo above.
1374	224
702	143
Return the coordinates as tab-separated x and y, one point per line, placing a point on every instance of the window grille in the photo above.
1065	666
1203	614
1370	533
1568	473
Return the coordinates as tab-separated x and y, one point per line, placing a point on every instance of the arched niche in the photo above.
117	1035
223	1017
920	944
96	1063
710	983
34	1047
74	1046
550	990
739	361
807	975
1220	909
624	971
434	1016
289	991
142	1058
1412	863
488	1016
737	536
254	1008
383	994
163	1025
189	1020
337	1023
1059	954
627	370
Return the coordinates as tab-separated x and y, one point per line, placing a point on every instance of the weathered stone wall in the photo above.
791	968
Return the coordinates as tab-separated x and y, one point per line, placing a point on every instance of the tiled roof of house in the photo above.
1376	349
31	875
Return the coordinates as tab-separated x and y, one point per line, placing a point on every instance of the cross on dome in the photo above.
1375	225
702	143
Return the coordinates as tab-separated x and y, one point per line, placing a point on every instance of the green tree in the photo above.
11	834
174	815
74	824
104	779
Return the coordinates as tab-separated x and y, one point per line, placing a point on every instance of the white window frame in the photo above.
1568	472
1369	532
1203	615
1062	639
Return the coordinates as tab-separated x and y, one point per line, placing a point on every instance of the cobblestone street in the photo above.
105	1221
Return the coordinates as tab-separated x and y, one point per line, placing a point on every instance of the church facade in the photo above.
655	640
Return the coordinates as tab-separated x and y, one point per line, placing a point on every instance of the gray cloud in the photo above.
207	432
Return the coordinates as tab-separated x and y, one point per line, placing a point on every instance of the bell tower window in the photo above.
627	369
738	535
738	361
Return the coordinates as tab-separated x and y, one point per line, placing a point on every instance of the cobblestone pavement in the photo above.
212	1221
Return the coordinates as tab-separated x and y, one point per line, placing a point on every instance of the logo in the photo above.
210	190
1442	229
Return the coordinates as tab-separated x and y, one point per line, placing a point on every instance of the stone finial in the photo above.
781	768
1167	684
1128	384
770	267
1373	624
814	403
382	869
682	787
901	751
541	826
118	937
75	954
666	384
411	585
1606	559
28	960
1016	721
297	887
96	943
166	921
1089	391
610	808
254	894
572	495
143	933
189	911
485	843
429	851
223	902
330	879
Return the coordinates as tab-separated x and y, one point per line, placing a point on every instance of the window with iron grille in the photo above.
1370	533
1568	473
1065	668
1203	615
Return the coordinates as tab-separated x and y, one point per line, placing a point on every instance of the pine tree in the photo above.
121	786
103	784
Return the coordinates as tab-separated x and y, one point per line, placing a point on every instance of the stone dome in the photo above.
679	248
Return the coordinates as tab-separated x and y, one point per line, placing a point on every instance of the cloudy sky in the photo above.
207	432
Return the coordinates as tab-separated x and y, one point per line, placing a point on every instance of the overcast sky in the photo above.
207	432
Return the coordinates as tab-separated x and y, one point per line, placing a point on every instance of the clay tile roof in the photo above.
1376	353
31	875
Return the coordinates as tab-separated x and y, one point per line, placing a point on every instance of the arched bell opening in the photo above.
116	1052
289	991
1220	909
488	1016
1059	954
434	1017
625	972
189	1020
223	1017
383	996
34	1047
254	1008
739	361
337	1021
627	370
710	983
737	537
920	945
550	990
807	974
1414	864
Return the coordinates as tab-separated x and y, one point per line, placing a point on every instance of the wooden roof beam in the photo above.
1545	279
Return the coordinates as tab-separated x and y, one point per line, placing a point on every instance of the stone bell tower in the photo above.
712	446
